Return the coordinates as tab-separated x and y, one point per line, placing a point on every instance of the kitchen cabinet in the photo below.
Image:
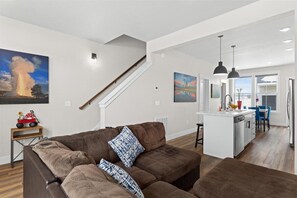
249	128
222	137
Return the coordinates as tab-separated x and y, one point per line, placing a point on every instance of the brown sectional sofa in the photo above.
232	178
161	168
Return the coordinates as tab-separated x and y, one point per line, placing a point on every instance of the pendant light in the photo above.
233	73
220	69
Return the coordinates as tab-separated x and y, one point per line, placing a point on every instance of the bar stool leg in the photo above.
197	135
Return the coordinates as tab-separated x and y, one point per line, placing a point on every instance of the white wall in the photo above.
72	77
278	117
137	103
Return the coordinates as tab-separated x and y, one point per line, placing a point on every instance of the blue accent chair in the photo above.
262	107
268	116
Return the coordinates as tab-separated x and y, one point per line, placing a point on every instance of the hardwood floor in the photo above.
269	149
11	181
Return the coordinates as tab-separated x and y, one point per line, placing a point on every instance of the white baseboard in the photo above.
179	134
279	124
6	159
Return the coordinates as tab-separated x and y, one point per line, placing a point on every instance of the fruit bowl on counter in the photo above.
233	106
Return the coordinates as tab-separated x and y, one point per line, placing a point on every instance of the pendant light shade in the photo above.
220	69
233	73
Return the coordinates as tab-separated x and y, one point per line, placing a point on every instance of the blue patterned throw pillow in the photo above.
121	176
126	146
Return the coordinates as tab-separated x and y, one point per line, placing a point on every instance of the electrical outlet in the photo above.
67	103
157	103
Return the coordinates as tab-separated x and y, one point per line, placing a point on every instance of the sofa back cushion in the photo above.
98	147
89	180
75	141
59	158
94	143
151	135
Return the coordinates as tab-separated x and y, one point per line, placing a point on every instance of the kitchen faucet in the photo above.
225	105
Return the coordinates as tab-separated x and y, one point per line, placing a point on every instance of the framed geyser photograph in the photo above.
185	87
24	78
215	91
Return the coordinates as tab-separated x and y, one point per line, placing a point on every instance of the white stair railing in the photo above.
115	93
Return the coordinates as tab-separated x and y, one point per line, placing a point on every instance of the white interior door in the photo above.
203	97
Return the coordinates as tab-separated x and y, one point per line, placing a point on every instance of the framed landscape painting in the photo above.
23	78
185	87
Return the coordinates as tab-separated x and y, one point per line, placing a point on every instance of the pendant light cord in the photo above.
233	46
220	46
233	57
220	49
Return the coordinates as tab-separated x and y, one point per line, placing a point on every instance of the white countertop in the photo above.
227	113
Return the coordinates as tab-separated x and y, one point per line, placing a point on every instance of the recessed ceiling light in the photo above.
269	62
286	29
287	41
289	49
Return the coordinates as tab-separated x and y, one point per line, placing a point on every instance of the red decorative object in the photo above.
29	118
239	103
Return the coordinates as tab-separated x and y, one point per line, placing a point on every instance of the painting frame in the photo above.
185	88
24	78
215	91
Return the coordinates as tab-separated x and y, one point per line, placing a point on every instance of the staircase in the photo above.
118	90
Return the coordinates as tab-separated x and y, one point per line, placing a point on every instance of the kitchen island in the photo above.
227	133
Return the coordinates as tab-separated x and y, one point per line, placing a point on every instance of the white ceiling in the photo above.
104	20
257	45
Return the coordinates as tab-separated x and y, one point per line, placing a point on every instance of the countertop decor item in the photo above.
233	73
239	102
220	69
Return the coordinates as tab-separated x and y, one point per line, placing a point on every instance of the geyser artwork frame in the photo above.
185	88
24	78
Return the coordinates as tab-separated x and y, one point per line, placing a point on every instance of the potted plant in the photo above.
239	102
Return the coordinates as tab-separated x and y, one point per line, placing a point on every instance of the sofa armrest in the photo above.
54	190
36	175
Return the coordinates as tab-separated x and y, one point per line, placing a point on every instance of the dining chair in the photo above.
262	107
268	116
261	117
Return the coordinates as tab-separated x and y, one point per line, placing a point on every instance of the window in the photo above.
266	89
243	89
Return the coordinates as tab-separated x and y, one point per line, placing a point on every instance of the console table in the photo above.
22	134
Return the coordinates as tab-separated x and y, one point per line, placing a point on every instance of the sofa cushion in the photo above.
168	163
151	135
165	190
126	146
121	176
142	177
89	180
233	178
75	141
59	158
94	143
98	147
